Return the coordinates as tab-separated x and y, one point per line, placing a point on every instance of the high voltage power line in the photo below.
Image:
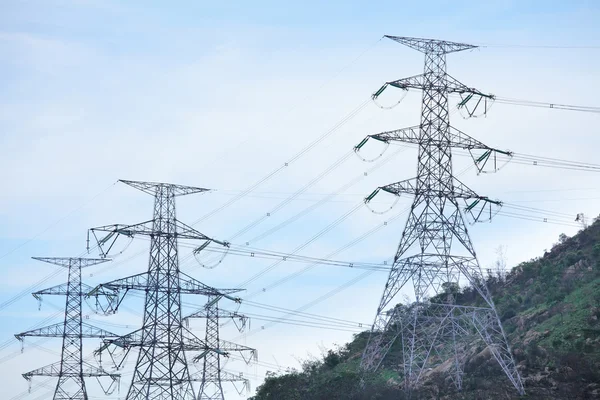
241	250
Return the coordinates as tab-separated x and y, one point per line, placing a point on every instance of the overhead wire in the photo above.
289	199
306	98
294	158
58	221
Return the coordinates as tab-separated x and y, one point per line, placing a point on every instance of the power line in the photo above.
58	221
294	158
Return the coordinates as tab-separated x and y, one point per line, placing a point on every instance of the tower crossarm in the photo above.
224	349
57	330
119	288
225	376
229	347
135	339
190	285
62	290
431	46
485	158
455	138
411	186
67	261
151	187
237	317
54	370
427	82
147	228
215	299
132	339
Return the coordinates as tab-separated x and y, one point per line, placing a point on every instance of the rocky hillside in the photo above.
550	308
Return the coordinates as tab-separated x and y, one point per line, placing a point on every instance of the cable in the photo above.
326	199
316	317
298	155
528	159
325	83
285	202
536	46
57	221
312	303
305	244
539	104
270	255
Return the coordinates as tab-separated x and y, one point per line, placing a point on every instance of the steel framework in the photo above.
71	369
435	252
212	374
161	371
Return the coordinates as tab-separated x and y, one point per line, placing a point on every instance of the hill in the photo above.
550	309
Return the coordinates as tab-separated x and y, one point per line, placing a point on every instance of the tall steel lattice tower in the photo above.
435	251
71	369
161	371
212	374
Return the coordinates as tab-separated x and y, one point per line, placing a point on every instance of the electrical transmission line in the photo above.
71	369
435	250
161	371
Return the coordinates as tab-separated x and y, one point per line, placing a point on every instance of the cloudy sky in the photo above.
223	94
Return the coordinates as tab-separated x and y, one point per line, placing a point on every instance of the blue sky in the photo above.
219	94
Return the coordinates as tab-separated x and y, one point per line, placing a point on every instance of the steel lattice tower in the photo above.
161	371
212	374
435	250
71	369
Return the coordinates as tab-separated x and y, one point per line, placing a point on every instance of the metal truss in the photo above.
161	371
71	369
435	252
212	374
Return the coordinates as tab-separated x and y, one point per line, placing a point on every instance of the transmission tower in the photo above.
71	369
161	371
212	374
435	251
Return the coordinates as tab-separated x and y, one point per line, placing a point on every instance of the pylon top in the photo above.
431	46
67	261
151	187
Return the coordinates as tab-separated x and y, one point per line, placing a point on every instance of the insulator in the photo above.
474	105
212	265
404	93
359	146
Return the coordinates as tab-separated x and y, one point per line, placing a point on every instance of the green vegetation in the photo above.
550	308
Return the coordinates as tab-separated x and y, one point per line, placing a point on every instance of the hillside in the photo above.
550	308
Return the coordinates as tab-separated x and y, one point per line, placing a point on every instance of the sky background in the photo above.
221	94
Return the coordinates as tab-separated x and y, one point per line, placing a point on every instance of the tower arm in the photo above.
411	187
423	82
456	138
230	346
132	339
234	315
225	376
151	187
224	349
479	208
67	261
481	154
57	330
190	285
119	288
62	290
146	228
54	370
431	46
